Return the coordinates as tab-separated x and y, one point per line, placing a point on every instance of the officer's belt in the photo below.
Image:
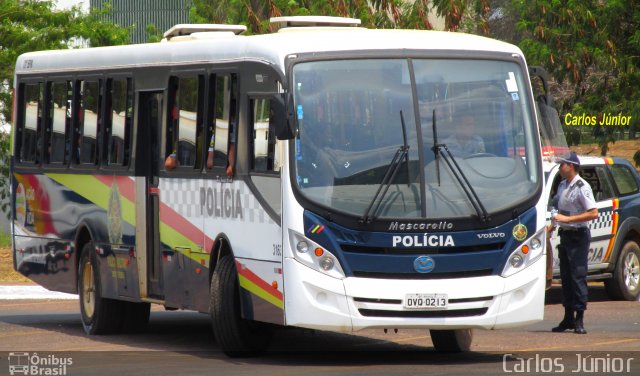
569	231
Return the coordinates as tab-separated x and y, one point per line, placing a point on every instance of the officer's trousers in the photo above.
573	251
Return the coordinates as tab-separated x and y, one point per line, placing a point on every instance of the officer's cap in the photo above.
572	158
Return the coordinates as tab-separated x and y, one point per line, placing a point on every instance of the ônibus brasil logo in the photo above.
23	363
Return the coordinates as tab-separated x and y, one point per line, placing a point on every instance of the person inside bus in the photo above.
465	142
171	162
231	151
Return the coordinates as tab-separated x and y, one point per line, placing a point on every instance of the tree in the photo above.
467	15
29	25
591	48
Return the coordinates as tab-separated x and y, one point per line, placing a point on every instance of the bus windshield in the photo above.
353	116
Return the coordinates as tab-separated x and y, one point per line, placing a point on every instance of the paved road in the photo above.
181	342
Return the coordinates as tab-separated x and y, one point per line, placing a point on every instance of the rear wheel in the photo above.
625	284
99	315
456	340
237	337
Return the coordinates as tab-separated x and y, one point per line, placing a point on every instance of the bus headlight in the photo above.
526	254
516	261
302	246
319	259
327	263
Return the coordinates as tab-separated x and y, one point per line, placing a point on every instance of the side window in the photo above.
87	151
185	136
606	190
265	157
30	123
59	122
223	121
120	120
597	179
624	178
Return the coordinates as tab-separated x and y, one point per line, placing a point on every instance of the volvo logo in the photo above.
424	264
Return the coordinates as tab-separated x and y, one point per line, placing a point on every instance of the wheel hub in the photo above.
88	290
631	271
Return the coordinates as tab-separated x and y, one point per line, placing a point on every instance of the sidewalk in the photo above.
22	292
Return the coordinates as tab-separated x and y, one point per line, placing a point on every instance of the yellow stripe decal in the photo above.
254	289
95	191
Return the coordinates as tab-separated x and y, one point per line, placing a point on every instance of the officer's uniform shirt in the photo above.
232	137
574	198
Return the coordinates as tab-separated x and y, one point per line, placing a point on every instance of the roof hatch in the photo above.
314	21
197	31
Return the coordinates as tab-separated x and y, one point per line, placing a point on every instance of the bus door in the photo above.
150	105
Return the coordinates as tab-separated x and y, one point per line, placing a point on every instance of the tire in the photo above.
235	336
456	340
625	284
135	317
99	315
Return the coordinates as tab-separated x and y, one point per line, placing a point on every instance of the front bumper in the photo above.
317	301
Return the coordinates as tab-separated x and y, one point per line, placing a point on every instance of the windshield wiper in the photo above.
457	173
394	166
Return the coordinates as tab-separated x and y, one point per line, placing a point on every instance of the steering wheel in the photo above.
479	155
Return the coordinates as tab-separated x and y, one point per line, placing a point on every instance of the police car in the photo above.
614	253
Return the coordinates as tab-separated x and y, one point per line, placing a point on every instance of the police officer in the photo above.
576	207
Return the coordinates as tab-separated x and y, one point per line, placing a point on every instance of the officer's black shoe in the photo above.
579	323
568	322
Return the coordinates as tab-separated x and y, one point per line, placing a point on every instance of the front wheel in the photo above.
625	284
456	340
99	315
236	336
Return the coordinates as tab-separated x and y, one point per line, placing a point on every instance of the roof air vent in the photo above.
314	21
199	30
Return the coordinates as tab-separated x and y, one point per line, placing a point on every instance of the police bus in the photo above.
326	176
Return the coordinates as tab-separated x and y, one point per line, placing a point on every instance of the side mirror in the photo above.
281	118
545	97
550	126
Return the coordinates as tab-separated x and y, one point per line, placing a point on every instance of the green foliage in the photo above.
153	34
4	171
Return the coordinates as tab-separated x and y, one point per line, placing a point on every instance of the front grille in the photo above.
424	314
378	301
399	301
422	251
461	274
471	300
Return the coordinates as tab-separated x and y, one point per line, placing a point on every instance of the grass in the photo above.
5	240
7	274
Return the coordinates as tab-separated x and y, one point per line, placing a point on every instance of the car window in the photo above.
606	189
597	179
624	179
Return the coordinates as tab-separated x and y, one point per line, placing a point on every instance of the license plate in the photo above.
425	301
